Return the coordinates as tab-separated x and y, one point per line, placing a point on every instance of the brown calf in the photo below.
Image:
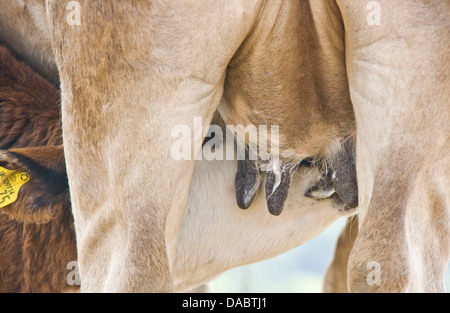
37	238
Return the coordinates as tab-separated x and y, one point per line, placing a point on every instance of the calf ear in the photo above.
46	193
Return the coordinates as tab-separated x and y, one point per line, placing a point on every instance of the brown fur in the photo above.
37	241
37	238
155	62
22	19
132	70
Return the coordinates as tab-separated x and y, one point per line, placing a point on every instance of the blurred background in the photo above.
299	270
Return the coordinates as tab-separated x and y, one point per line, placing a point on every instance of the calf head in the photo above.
46	194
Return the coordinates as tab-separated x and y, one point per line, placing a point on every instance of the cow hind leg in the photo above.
400	99
135	79
403	243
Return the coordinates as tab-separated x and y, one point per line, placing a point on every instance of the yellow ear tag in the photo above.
10	184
